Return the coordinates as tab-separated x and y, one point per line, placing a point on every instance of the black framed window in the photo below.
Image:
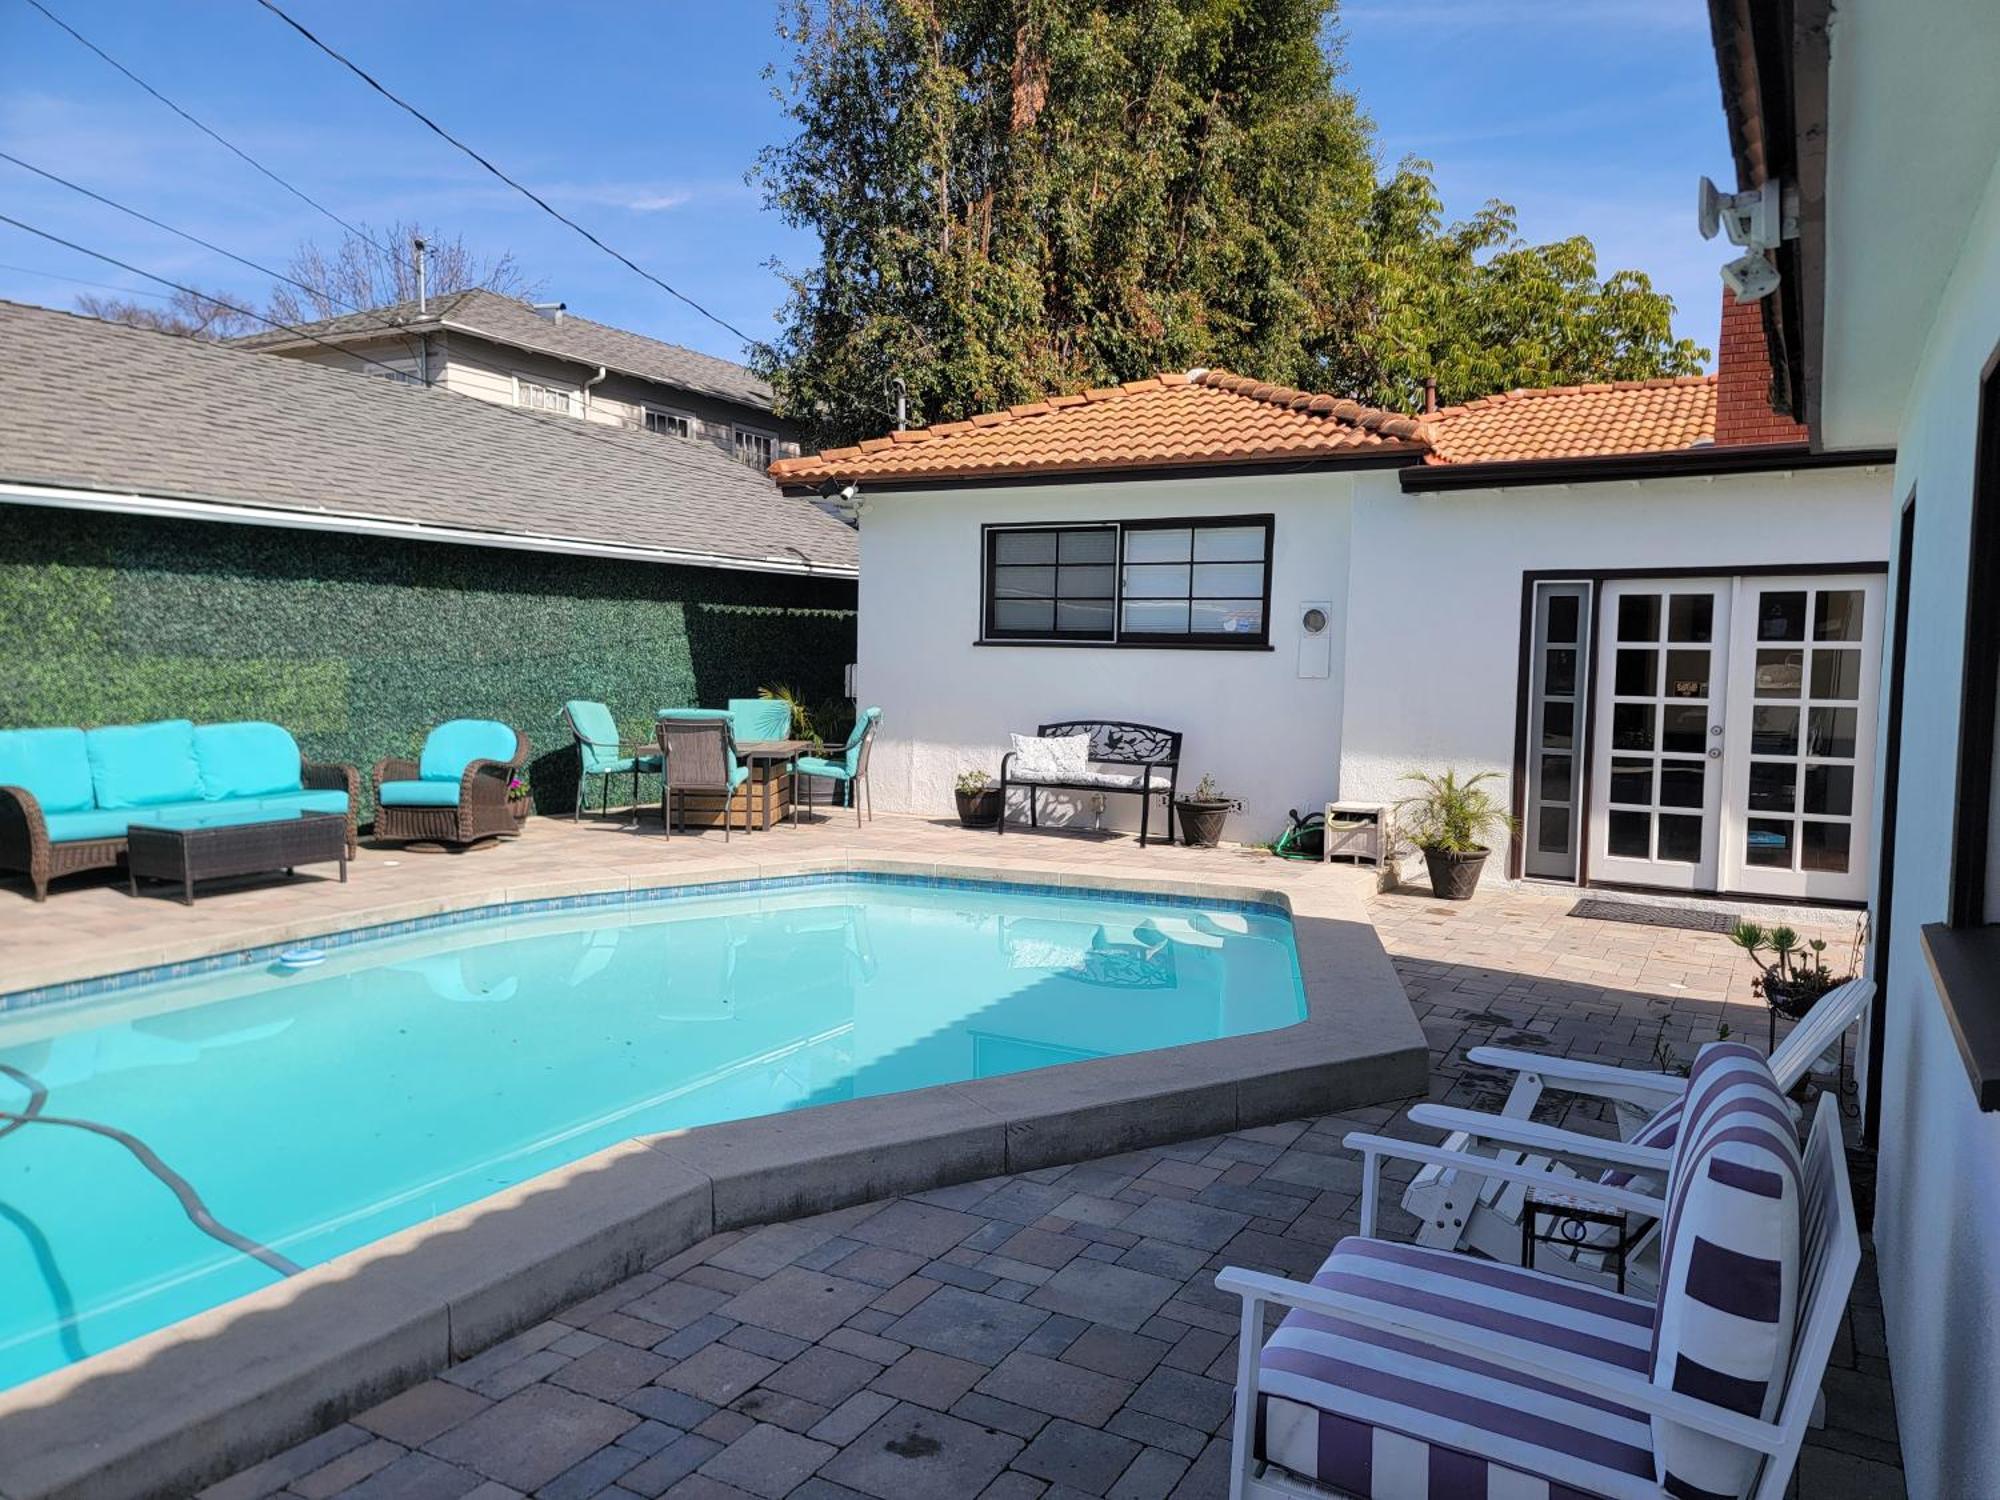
1184	582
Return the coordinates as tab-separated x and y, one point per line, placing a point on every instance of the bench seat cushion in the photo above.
1110	781
420	793
51	764
112	822
1384	1418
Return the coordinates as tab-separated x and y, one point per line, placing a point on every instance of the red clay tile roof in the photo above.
1576	421
1206	417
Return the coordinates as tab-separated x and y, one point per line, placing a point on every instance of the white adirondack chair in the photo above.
1469	1208
1382	1384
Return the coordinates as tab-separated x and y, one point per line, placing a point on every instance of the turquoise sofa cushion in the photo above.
760	719
91	823
813	765
297	802
454	746
245	760
144	765
53	764
420	793
112	823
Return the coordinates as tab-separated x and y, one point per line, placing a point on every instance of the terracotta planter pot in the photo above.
1201	822
980	809
1454	877
519	808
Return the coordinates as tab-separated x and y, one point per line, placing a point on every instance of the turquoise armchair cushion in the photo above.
245	760
420	793
453	746
866	721
53	764
144	765
760	718
834	770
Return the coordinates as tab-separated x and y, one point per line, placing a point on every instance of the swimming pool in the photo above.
300	1115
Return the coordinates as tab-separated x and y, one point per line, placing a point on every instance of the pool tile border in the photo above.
169	1412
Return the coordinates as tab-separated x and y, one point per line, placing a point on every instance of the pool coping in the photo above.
194	1402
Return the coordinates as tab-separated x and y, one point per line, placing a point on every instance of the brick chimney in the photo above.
1743	411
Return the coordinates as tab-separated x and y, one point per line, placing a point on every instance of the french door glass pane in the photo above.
1683	782
1558	726
1824	846
1774	786
1639	617
1838	614
1552	834
1629	835
1632	726
1680	838
1145	545
1780	673
1781	615
1688	673
1830	790
1684	729
1768	843
1691	617
1231	544
1564	612
1836	673
1830	732
1631	781
1774	731
1559	672
1555	785
1636	674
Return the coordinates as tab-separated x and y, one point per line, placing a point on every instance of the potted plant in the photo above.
1450	821
520	799
1797	975
1202	813
978	800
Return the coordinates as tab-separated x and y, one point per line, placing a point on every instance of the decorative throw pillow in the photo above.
1052	759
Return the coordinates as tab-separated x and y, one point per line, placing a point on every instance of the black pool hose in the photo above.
190	1200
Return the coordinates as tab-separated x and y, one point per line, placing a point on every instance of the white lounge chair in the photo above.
1462	1208
1406	1373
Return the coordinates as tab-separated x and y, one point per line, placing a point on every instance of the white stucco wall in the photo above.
1937	1215
1433	633
948	704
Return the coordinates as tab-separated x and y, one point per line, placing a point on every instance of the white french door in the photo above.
1662	674
1735	733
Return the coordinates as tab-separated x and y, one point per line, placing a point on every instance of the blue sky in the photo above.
641	119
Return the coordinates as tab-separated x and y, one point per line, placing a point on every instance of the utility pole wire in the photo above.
196	239
205	130
542	203
112	260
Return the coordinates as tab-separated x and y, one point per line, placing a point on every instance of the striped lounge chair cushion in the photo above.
1385	1418
1729	1265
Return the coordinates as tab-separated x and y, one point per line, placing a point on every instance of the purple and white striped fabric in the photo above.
1729	1266
1659	1133
1387	1418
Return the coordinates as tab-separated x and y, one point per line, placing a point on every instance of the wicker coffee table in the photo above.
252	846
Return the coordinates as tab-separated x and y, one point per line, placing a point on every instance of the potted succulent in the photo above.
1797	975
520	799
1450	822
978	800
1202	813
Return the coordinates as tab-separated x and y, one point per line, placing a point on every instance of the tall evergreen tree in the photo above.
1014	197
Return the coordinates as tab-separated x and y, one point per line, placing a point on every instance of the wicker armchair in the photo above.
447	797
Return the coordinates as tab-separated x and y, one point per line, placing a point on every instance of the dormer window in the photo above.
754	448
668	423
537	395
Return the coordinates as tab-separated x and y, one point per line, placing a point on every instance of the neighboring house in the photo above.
499	349
191	530
1658	626
1881	124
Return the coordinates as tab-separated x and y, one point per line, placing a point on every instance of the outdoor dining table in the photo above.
771	754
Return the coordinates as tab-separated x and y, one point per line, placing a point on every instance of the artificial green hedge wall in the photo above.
360	645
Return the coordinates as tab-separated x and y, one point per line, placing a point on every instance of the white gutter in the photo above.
238	513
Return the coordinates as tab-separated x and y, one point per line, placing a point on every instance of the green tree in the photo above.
1013	197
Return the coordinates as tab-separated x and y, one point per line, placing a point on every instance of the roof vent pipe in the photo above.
1430	395
553	311
417	244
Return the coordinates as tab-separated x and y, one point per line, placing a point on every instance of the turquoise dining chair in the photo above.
602	754
850	769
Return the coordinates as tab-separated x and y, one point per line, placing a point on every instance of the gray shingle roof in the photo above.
507	321
99	406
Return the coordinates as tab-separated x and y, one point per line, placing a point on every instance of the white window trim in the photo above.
655	409
572	393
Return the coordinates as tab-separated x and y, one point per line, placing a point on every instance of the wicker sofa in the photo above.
455	792
67	796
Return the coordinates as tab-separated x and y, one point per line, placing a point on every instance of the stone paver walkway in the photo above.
1053	1334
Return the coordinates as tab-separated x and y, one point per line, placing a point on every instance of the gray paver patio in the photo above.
958	1374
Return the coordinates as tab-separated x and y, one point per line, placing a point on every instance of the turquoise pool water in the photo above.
311	1112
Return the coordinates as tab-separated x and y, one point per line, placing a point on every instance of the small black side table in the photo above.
1570	1222
185	855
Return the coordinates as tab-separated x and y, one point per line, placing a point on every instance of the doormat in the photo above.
1643	915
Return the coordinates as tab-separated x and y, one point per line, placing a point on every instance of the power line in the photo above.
535	198
211	134
75	187
102	286
244	312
